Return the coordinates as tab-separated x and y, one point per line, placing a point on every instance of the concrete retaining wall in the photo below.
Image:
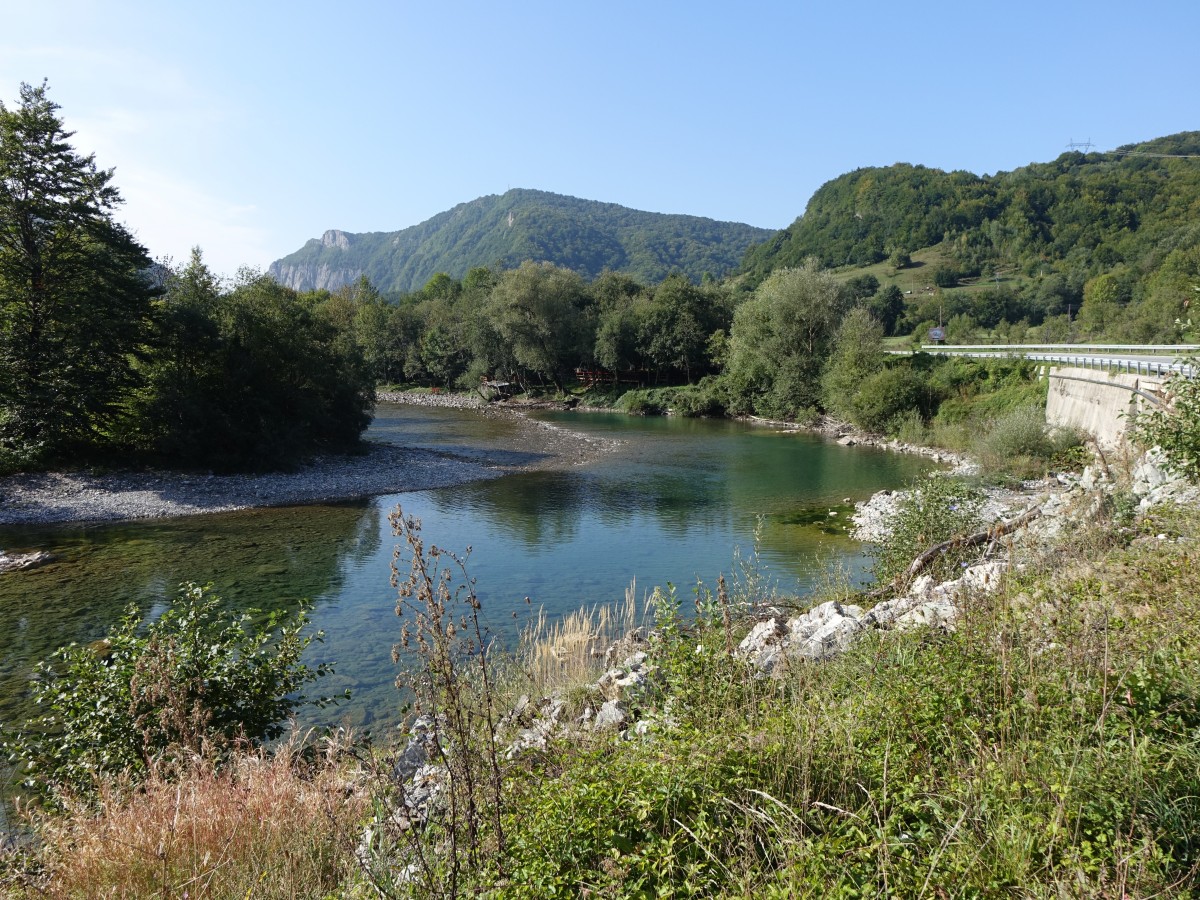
1102	409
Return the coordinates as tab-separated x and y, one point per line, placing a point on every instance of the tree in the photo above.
780	338
677	326
887	307
75	290
253	377
863	286
857	354
539	310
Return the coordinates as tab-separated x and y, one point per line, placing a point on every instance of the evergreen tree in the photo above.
75	291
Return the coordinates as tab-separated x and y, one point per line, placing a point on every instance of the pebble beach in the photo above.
109	496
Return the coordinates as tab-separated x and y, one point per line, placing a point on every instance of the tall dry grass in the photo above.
279	826
558	655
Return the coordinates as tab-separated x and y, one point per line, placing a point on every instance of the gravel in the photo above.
84	496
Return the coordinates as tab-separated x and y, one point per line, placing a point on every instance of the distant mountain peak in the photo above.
587	236
335	238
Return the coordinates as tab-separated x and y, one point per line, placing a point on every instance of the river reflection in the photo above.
674	502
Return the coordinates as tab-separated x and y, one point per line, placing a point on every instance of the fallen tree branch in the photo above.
923	561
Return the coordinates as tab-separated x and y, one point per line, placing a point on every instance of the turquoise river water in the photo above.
673	502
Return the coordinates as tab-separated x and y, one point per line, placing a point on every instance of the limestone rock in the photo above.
613	715
19	562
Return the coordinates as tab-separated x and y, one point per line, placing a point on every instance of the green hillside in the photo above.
503	231
1120	230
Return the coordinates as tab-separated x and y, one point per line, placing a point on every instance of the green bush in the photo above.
934	510
641	403
886	394
704	399
909	427
1019	443
1177	429
194	679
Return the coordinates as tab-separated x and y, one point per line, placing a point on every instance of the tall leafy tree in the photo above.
678	325
75	290
541	312
781	337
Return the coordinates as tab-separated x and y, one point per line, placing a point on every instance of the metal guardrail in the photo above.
1104	363
1172	349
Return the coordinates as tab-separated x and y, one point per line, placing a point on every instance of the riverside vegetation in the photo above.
1041	741
108	357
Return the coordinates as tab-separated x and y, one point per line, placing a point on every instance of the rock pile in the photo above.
830	628
421	398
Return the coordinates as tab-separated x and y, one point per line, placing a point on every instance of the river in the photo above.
676	501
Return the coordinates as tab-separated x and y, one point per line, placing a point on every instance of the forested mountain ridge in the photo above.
1081	216
502	231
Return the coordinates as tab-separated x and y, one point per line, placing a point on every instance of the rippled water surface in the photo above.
673	502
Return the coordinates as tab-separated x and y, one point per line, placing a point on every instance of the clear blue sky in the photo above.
248	127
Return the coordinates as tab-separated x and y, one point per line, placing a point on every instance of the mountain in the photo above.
505	230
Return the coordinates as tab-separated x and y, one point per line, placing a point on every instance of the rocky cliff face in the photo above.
317	275
312	276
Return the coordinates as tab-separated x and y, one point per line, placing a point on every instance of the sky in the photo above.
246	128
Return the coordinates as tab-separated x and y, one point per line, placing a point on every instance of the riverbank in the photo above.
87	496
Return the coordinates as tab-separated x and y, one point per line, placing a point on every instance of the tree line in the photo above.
104	354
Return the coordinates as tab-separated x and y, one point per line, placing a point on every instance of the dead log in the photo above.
925	559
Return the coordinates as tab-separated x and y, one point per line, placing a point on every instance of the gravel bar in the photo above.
56	497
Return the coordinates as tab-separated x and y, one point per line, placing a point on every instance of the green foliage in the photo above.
540	312
945	277
1020	444
194	679
708	398
857	354
779	340
934	510
1175	429
584	236
887	306
254	377
75	292
1043	748
1038	233
678	324
885	394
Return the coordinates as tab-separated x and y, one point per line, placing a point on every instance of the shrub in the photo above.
1019	443
639	403
1177	429
701	400
196	679
935	510
909	427
886	394
945	276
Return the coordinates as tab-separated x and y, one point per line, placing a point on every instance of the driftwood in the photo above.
923	561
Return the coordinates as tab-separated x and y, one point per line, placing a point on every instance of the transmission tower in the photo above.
1085	146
